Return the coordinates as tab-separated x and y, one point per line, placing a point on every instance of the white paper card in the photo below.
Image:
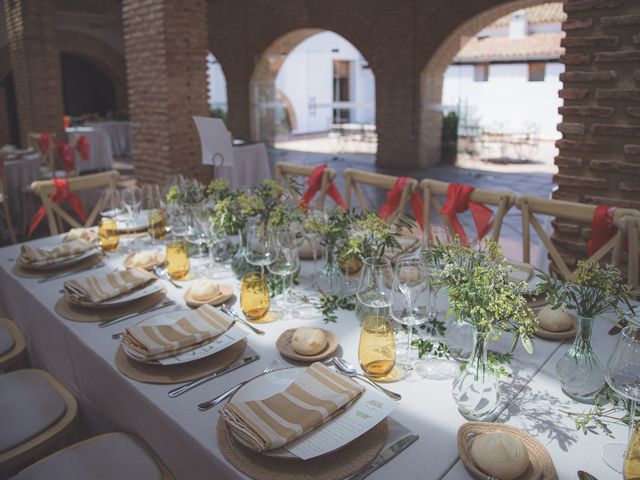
215	140
369	410
231	336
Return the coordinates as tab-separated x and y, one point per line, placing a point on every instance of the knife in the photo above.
385	456
196	383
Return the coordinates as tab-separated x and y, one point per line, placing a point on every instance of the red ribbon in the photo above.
314	184
393	200
458	202
62	194
82	146
602	228
45	142
66	155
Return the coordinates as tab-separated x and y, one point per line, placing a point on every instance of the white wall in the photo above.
507	101
306	79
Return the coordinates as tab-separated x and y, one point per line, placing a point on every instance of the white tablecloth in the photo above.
17	175
119	133
100	152
250	166
81	356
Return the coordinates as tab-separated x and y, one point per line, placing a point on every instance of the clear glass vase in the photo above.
239	264
476	390
330	281
579	369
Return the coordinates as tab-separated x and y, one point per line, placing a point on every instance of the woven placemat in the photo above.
337	465
185	372
83	314
20	271
540	464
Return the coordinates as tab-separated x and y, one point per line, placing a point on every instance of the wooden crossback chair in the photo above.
354	179
55	214
629	226
48	158
433	189
284	172
4	202
531	207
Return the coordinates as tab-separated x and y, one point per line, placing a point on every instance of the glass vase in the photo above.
330	281
373	298
476	390
579	369
239	264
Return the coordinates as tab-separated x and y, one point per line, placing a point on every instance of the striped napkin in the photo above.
98	288
152	342
49	255
317	395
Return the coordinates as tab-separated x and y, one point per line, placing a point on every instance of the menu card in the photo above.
369	410
231	336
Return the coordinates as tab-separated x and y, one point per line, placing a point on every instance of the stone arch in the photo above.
431	76
107	59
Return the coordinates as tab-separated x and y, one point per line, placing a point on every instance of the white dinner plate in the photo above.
120	301
127	224
230	337
275	382
67	262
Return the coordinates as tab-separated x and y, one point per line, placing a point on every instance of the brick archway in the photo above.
431	77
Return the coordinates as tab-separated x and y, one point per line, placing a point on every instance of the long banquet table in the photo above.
81	356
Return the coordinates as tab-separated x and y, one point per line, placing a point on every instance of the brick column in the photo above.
166	48
599	158
35	61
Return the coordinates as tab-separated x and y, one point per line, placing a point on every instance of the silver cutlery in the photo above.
196	383
385	456
165	276
349	370
116	336
66	274
204	406
232	313
582	475
108	323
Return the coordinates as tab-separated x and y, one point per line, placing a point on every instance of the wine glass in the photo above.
623	376
261	247
155	208
199	228
410	283
110	203
131	201
434	235
286	263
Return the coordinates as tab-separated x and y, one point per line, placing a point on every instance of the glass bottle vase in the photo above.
330	281
579	369
239	264
476	390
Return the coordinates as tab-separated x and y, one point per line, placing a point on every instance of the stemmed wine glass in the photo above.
410	283
261	247
199	226
434	235
131	201
623	376
154	205
286	263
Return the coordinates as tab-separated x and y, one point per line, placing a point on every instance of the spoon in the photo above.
349	370
165	276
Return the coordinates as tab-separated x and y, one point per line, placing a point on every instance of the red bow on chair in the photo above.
66	155
458	202
393	200
45	141
602	228
61	195
82	146
314	184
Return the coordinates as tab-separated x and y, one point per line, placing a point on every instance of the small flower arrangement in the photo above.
371	236
332	228
191	192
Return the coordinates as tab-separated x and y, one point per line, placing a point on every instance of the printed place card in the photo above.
231	336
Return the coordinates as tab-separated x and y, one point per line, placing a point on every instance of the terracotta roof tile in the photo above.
538	46
545	13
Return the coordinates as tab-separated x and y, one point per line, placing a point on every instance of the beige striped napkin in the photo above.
316	396
49	255
98	288
152	342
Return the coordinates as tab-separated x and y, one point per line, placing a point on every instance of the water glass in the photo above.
108	236
254	296
261	247
177	259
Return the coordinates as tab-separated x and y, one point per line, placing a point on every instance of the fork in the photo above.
204	406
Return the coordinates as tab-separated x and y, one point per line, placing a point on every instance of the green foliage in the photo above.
370	237
328	305
332	228
286	214
431	347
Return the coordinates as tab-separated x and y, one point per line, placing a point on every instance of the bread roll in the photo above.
500	455
554	320
143	258
308	341
77	234
204	289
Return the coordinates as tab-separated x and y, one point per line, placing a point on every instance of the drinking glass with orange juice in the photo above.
254	296
177	259
157	223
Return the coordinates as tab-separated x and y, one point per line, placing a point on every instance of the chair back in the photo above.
285	172
45	188
48	157
533	207
432	190
4	200
355	179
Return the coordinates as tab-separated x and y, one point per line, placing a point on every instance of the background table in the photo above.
119	133
250	166
81	356
100	152
19	173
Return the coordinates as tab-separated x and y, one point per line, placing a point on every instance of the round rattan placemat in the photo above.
184	372
336	465
83	314
284	346
540	464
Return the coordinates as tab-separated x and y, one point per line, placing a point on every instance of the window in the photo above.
536	71
341	92
481	72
